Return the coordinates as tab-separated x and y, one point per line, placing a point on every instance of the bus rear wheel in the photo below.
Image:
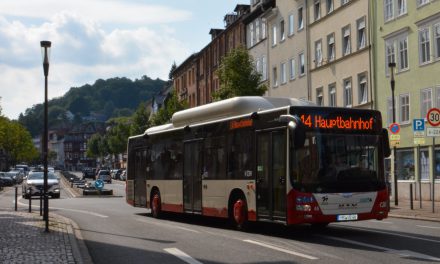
155	205
239	214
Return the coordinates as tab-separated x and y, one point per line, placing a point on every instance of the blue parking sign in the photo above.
419	124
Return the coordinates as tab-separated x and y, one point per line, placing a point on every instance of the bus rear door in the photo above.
271	175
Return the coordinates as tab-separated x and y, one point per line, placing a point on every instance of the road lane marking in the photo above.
182	255
291	252
403	253
390	233
431	227
64	209
168	225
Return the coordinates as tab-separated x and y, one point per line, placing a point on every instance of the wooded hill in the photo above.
104	99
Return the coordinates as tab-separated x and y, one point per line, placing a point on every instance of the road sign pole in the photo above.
433	174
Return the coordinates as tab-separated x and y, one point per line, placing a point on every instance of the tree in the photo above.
140	120
164	114
0	106
173	68
237	76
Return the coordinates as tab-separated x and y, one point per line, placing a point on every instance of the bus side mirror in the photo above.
386	143
296	128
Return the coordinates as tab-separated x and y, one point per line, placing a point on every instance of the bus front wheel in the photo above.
155	205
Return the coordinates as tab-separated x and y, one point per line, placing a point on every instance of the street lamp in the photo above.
45	52
392	65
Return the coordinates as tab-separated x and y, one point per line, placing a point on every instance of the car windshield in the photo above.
337	163
40	176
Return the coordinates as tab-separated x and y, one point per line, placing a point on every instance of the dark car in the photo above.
6	179
104	175
89	173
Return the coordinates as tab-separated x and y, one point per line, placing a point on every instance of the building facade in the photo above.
408	34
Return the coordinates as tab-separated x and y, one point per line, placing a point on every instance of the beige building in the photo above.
287	50
339	51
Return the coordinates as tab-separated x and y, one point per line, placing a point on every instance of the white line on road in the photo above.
431	227
291	252
182	255
403	253
391	233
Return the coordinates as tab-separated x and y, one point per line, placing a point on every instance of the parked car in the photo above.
23	167
89	173
16	175
34	185
123	175
116	174
104	175
6	179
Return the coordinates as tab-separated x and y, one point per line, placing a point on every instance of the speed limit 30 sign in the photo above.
433	116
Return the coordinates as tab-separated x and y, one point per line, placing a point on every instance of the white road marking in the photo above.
380	222
431	227
392	234
182	255
291	252
403	253
64	209
168	225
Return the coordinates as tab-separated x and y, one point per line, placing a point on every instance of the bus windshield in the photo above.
337	163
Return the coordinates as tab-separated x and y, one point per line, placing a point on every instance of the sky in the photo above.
97	39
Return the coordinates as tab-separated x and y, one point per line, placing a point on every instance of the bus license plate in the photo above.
350	217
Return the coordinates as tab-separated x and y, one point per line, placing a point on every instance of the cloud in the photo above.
82	52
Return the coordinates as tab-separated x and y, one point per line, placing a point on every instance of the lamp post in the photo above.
45	50
392	65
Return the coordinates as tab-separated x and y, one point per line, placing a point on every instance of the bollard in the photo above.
16	191
411	196
41	204
30	201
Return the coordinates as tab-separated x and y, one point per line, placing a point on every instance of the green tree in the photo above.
173	68
237	76
164	114
93	146
140	120
117	138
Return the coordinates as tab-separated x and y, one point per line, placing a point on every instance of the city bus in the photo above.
250	159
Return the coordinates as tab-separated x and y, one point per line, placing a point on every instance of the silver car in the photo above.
34	185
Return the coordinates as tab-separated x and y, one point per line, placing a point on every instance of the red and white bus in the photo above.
263	159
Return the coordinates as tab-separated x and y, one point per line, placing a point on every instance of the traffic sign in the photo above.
433	132
394	128
394	137
433	116
419	124
99	184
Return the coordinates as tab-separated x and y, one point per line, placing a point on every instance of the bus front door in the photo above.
140	187
271	175
192	176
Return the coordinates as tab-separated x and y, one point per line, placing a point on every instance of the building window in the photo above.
425	101
389	52
389	111
346	47
404	108
331	47
292	69
282	31
403	53
329	6
363	88
263	28
302	69
275	77
257	30
319	97
300	19
317	9
251	33
264	68
437	40
437	92
405	168
344	2
332	95
424	46
283	73
318	53
401	7
291	24
361	35
388	9
347	93
422	2
274	35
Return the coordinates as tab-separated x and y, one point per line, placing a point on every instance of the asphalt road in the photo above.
115	232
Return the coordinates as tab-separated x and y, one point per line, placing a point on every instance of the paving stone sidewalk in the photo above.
403	210
23	240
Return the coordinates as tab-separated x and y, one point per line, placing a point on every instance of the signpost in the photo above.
419	139
394	137
433	117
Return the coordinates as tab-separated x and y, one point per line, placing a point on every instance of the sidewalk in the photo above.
23	240
403	210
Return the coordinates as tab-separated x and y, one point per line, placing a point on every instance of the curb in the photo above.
415	217
79	248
